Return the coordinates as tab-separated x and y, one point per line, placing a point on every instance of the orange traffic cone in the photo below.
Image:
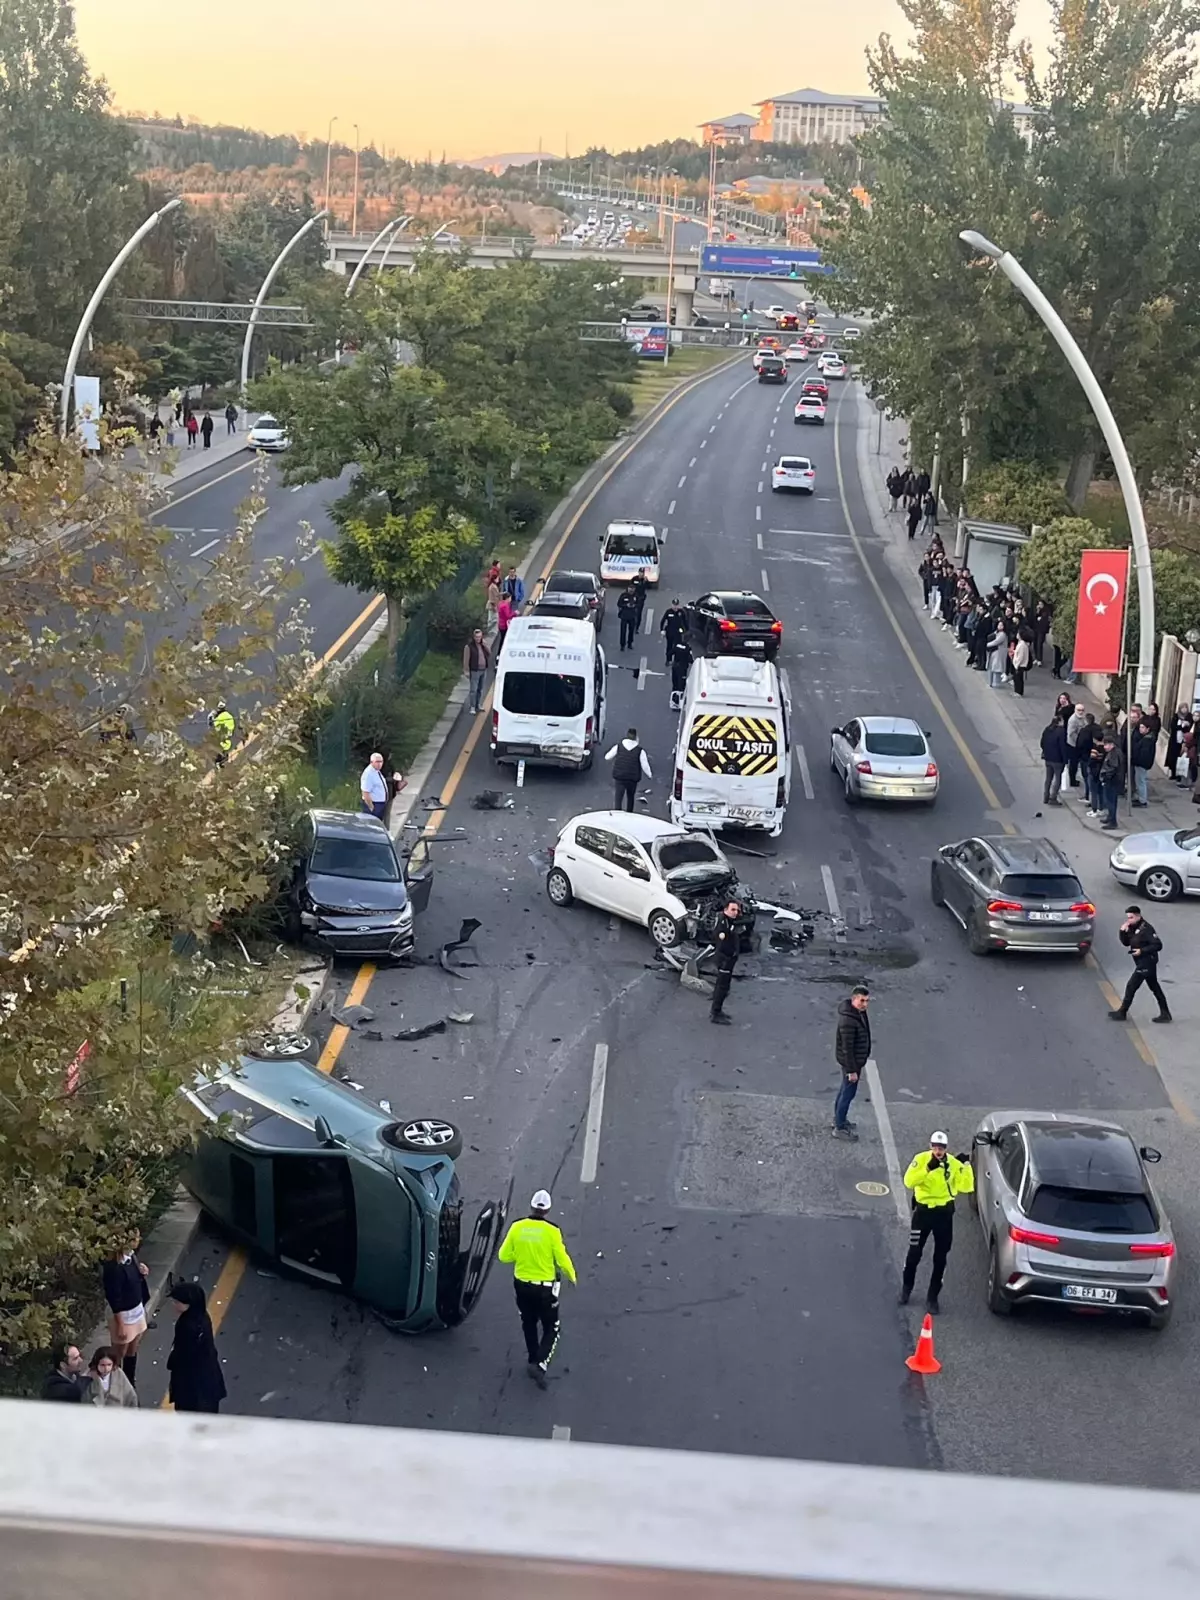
923	1358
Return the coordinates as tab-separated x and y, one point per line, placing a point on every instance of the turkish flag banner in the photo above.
1100	617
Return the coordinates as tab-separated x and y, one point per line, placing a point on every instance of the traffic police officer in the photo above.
935	1177
223	725
534	1247
728	941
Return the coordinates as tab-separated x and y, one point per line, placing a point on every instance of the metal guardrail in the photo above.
219	1507
212	311
618	333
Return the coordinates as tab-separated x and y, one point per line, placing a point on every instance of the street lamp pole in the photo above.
388	227
354	211
670	292
265	290
328	165
387	249
1020	279
93	305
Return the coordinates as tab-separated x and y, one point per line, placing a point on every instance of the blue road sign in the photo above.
759	261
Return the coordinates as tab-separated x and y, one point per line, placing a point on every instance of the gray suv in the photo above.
1013	894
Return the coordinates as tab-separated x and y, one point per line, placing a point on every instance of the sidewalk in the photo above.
185	462
1012	726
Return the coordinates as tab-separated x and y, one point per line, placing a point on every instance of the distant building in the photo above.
737	129
810	116
1024	118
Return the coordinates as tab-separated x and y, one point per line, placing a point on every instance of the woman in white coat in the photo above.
1021	659
997	657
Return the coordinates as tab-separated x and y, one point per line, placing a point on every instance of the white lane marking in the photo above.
682	481
642	675
647	619
203	547
809	533
758	537
760	484
671	509
561	1432
692	462
296	488
766	582
311	554
763	468
805	774
208	530
595	1115
267	588
888	1140
831	896
713	429
703	442
758	518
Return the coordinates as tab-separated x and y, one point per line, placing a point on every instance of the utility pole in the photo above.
670	282
354	211
328	164
712	188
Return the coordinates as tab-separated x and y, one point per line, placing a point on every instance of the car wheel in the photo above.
935	891
430	1136
977	943
998	1302
664	929
1158	1320
280	1046
848	791
1161	884
558	887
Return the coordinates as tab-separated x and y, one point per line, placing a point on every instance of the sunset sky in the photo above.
475	78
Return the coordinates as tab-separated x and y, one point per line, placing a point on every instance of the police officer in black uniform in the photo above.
679	659
728	941
628	615
674	625
638	588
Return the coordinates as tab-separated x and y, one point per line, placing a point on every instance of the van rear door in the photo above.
732	765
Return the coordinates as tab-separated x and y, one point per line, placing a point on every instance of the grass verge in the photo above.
653	381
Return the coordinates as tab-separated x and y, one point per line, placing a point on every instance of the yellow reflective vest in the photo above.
938	1187
536	1251
224	727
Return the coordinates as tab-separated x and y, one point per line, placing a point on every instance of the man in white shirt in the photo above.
374	787
630	766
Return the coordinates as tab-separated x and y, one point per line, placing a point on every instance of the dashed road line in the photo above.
595	1116
682	481
671	509
766	582
692	462
204	547
641	677
805	774
758	537
760	485
831	894
758	518
648	619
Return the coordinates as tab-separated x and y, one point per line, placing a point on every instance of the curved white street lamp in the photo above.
387	249
1020	279
265	290
93	305
394	225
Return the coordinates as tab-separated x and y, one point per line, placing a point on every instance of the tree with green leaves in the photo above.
401	553
123	848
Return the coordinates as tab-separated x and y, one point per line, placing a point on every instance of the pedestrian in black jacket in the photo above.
674	625
852	1048
1143	747
197	1382
628	613
1144	945
680	662
68	1381
1054	756
729	944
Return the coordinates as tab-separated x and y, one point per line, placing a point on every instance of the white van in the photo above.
627	548
550	698
733	758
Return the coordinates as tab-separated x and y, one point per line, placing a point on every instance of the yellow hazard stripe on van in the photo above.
744	747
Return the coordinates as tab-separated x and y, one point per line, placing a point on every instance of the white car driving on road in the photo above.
793	472
267	434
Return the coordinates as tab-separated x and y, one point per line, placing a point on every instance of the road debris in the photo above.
492	800
465	932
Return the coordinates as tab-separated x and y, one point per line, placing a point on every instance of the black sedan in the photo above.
350	892
728	622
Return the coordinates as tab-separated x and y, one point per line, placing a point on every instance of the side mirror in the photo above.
640	873
1150	1154
323	1131
837	732
982	1139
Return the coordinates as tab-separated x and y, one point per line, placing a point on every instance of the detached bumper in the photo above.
572	760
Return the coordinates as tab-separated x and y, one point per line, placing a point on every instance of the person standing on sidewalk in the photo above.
1076	723
1143	747
852	1048
493	598
197	1382
1144	945
231	418
66	1379
1112	779
914	517
126	1293
630	766
206	430
929	514
935	1178
1022	656
1181	723
191	427
109	1386
534	1248
1054	757
505	612
477	658
997	657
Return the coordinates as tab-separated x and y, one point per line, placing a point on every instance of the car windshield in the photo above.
894	744
1092	1210
1187	836
265	422
543	694
1041	886
631	544
354	858
571	583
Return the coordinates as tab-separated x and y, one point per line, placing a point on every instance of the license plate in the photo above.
750	813
708	808
1048	916
1085	1291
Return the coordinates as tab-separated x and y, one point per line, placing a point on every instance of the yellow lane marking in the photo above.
964	749
237	1261
192	493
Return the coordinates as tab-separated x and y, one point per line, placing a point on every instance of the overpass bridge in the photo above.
344	251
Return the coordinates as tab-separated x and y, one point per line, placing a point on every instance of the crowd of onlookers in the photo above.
1005	636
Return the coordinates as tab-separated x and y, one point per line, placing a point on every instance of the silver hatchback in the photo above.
1013	894
1070	1218
883	758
